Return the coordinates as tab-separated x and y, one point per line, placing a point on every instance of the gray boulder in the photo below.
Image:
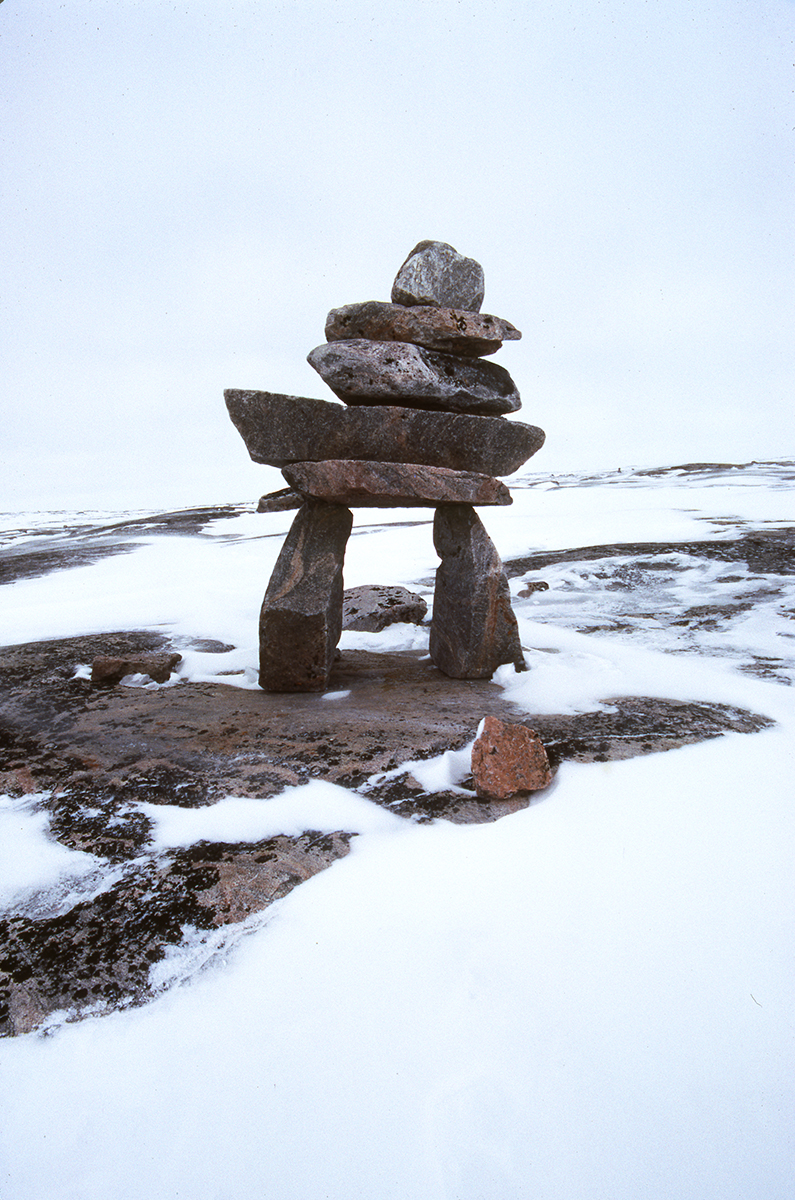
364	372
473	629
370	608
451	330
392	485
435	273
281	429
301	616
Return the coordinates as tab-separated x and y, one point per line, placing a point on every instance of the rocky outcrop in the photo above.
387	485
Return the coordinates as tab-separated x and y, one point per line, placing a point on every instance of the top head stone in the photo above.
436	274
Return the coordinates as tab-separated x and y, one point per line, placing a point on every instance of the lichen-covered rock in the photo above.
364	372
508	759
280	429
435	273
473	629
392	485
301	616
374	606
451	330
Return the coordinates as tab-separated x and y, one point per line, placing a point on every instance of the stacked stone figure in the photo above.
422	425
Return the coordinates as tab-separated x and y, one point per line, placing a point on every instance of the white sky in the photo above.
190	187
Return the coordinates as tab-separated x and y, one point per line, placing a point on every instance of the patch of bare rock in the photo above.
90	753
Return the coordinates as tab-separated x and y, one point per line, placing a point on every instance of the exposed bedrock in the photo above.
451	330
364	372
474	628
435	273
301	617
387	485
280	429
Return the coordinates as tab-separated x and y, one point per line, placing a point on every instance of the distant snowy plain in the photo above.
591	999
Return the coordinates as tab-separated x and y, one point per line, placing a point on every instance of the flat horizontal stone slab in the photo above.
451	330
364	372
392	485
280	429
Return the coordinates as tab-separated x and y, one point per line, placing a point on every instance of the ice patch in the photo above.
317	805
31	861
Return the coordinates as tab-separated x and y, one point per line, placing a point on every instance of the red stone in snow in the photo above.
507	759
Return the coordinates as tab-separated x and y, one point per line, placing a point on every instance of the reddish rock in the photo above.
435	273
301	617
109	670
473	628
508	759
364	372
392	485
451	330
281	429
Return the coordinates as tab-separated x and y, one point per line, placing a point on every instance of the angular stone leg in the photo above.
301	618
473	630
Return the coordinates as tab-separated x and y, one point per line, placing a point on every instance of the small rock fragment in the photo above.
451	330
373	607
364	372
301	617
474	629
435	273
109	670
360	484
281	501
508	759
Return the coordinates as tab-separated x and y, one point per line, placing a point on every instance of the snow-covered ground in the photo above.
592	998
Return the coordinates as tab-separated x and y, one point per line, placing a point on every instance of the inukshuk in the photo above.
422	425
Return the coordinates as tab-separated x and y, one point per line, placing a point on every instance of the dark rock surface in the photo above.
474	628
301	617
451	330
373	607
107	669
94	753
281	429
361	484
435	273
281	501
363	372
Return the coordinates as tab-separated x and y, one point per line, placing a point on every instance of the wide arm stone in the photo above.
301	618
280	429
473	628
364	372
392	485
451	330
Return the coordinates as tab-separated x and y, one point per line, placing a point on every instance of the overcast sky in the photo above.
190	187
